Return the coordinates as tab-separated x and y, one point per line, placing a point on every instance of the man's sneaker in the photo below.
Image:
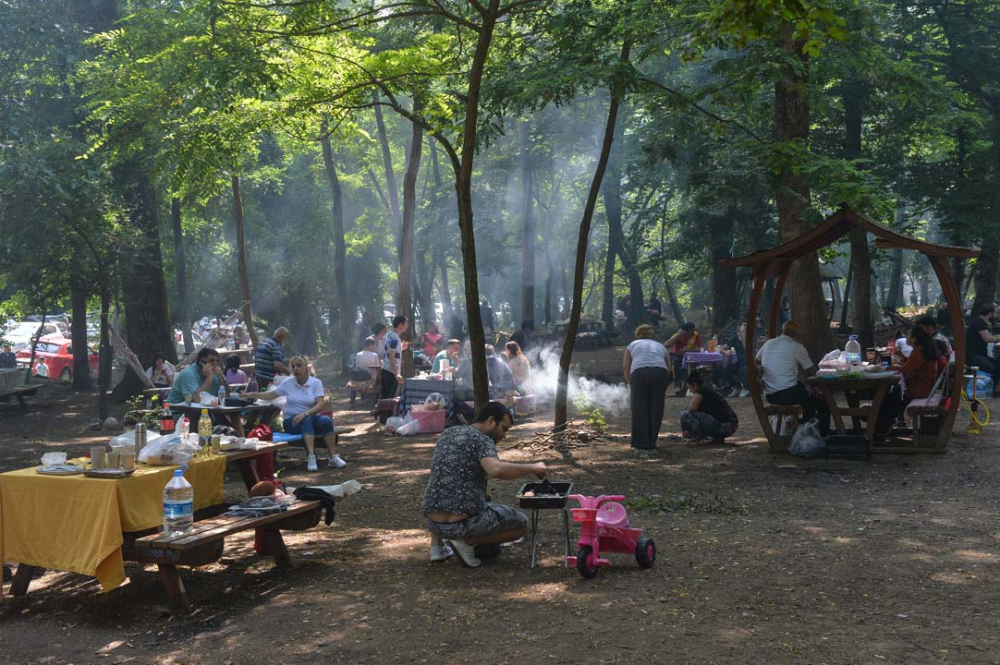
744	393
336	462
311	463
440	553
466	553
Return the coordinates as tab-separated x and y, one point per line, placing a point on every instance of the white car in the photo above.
20	333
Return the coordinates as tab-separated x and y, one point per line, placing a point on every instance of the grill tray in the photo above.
545	502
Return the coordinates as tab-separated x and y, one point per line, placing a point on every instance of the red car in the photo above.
58	354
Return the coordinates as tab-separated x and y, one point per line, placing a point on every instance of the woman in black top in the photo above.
709	416
977	337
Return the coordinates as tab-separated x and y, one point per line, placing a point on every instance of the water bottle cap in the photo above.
178	473
853	337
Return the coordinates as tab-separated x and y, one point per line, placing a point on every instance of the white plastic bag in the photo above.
208	399
127	440
393	423
807	441
168	451
409	429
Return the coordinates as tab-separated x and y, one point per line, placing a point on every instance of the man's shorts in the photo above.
496	518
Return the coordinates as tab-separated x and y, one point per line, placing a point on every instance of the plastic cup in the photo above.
114	460
97	457
128	461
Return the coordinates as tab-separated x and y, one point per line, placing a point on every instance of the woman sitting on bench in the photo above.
306	400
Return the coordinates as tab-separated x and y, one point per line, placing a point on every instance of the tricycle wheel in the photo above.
645	552
583	562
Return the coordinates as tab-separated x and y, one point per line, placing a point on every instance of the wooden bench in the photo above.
204	544
19	393
777	442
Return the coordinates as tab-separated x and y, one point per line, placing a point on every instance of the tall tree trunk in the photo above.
791	125
861	300
675	307
78	332
725	304
463	188
442	258
894	298
608	291
404	297
345	308
241	253
566	359
844	312
183	313
528	245
147	323
988	264
611	192
392	191
106	353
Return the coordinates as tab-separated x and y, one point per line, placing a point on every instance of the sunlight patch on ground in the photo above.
536	591
976	555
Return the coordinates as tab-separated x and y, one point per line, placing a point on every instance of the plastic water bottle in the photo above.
222	395
853	351
205	432
178	505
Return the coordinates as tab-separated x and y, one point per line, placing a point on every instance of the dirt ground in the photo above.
760	559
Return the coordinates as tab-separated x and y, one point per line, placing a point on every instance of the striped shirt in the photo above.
268	352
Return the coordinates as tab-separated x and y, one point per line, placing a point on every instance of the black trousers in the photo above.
984	363
647	391
812	407
389	385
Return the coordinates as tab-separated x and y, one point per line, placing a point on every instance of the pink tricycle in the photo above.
604	527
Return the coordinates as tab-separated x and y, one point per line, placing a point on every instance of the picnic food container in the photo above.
544	495
431	421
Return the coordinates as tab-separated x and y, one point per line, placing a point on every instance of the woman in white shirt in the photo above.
305	399
646	371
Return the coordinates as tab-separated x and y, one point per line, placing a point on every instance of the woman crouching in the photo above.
708	418
306	399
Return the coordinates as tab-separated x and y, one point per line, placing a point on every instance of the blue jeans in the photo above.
318	426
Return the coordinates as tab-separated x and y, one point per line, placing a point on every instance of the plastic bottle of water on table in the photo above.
853	351
178	505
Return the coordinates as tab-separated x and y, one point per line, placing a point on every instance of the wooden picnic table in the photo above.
20	393
81	524
228	414
855	391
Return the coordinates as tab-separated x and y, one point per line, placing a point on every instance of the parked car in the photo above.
20	333
58	354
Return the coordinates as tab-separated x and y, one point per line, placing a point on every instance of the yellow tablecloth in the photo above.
75	523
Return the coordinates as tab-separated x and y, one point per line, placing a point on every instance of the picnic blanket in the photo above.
75	523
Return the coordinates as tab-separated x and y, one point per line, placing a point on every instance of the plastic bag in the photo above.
127	440
208	399
408	429
984	386
807	441
168	450
435	401
393	423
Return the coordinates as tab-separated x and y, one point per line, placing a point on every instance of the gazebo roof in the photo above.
837	226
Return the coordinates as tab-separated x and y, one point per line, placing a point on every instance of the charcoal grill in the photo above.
547	495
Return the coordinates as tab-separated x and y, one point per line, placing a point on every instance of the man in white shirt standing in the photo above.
780	361
392	362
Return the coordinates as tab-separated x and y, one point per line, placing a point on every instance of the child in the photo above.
709	417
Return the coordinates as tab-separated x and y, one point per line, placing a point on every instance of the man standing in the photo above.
269	358
8	359
392	362
780	360
455	505
976	339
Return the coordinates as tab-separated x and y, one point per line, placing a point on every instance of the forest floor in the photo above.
760	559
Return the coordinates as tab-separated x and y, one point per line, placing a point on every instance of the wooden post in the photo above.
760	277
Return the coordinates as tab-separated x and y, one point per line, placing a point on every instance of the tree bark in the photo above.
106	353
183	313
147	323
392	191
611	192
346	307
463	189
528	245
791	125
861	300
404	298
988	264
241	253
78	332
726	306
894	297
608	291
583	240
442	258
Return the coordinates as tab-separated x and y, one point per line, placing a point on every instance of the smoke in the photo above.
611	398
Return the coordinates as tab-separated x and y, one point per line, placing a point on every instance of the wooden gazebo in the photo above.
777	262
